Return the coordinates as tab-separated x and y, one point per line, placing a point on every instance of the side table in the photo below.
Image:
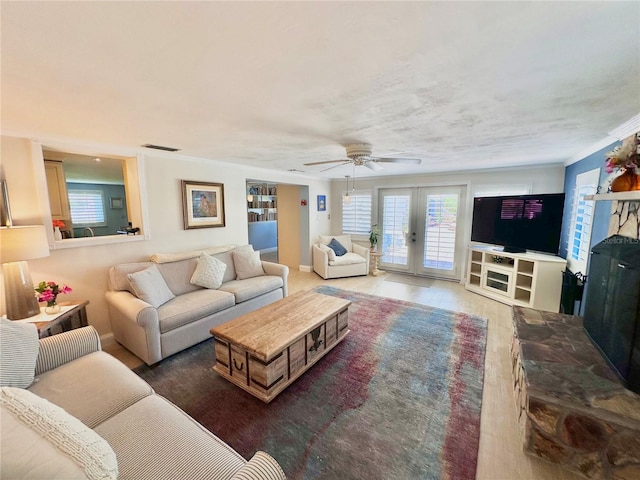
71	316
375	271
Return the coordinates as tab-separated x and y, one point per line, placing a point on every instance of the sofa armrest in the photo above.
363	252
133	309
261	467
320	261
135	324
278	270
59	349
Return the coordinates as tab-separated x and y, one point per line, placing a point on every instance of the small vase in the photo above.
52	308
57	234
626	182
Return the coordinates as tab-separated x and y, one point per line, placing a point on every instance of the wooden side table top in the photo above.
266	332
44	320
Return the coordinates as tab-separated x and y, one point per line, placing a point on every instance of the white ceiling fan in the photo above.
359	154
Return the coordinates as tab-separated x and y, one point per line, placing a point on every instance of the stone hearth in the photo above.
572	408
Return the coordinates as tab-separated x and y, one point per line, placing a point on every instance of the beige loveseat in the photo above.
156	310
328	264
86	415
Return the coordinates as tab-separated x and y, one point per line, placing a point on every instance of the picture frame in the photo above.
116	202
322	203
202	204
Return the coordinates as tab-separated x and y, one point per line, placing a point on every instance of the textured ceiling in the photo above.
278	84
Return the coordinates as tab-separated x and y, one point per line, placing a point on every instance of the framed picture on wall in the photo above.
116	202
202	204
322	203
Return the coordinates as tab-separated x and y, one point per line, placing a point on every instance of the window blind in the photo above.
356	213
87	207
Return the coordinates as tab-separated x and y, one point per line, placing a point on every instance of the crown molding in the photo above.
626	129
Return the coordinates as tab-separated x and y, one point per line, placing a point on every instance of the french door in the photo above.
421	232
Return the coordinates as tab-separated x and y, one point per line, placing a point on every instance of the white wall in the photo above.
85	269
546	179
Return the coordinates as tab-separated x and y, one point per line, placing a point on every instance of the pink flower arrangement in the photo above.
49	291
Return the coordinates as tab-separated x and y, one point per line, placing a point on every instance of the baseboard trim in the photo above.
107	340
304	268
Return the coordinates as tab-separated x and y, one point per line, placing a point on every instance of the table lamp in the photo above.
18	244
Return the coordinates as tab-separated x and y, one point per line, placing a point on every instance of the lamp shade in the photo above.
23	243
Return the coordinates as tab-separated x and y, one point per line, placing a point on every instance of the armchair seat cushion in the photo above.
99	372
153	424
348	259
184	308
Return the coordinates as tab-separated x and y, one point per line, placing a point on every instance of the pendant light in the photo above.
346	198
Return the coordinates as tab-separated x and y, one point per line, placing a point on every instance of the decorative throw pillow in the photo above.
19	348
41	440
337	247
209	272
330	253
247	262
149	285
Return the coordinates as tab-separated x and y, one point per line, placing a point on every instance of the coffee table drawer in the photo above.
315	342
267	376
343	322
297	357
239	364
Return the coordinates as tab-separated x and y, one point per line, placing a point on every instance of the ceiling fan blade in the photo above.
335	166
326	161
373	165
413	161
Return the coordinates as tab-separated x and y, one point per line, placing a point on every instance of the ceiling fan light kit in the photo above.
359	154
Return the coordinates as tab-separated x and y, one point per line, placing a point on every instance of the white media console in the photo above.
526	279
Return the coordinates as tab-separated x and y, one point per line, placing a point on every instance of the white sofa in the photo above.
70	411
329	265
154	328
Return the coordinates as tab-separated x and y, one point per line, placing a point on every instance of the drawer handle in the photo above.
315	336
235	364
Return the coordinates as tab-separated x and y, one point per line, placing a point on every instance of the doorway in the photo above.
421	231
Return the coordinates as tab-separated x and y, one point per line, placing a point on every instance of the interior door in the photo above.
421	232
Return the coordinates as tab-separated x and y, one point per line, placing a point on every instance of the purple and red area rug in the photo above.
399	398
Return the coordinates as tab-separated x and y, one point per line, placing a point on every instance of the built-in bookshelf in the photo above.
262	202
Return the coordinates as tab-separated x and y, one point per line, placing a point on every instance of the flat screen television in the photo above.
519	222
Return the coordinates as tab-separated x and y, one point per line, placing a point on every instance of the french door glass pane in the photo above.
396	209
440	231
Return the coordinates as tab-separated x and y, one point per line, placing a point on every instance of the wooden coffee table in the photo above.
265	351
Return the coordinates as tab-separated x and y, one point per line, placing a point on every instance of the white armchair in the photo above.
329	265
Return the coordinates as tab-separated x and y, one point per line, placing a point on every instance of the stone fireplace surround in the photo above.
571	407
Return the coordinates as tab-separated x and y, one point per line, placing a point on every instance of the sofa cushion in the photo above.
119	275
348	259
94	399
175	257
148	285
41	440
249	288
192	306
209	272
247	263
337	247
345	240
330	253
155	440
227	259
178	275
19	348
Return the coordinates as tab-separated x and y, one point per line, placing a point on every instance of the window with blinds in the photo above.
582	221
356	213
87	208
440	231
